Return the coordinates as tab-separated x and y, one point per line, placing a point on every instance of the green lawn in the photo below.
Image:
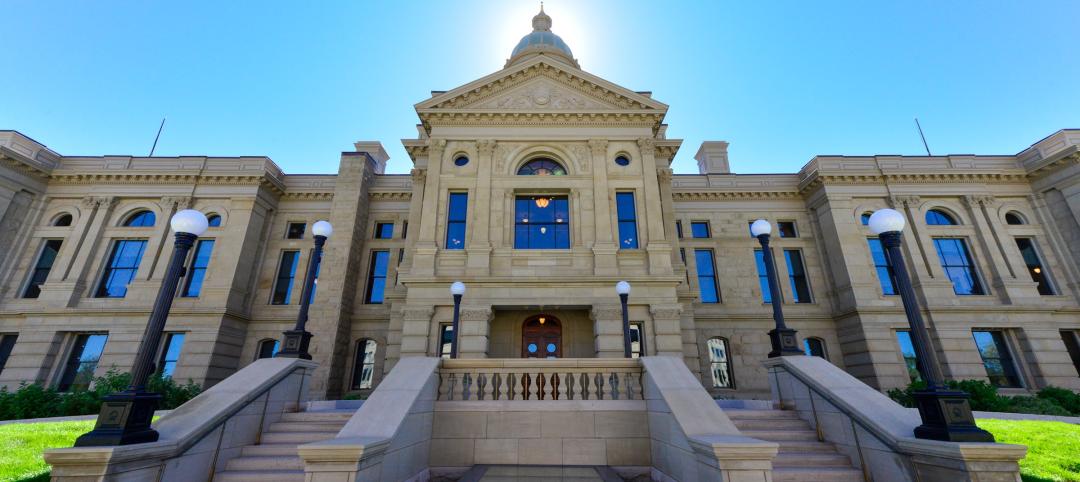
1053	447
21	446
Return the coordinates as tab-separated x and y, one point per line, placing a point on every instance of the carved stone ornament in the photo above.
104	202
975	200
418	176
485	146
665	312
664	174
501	155
647	146
605	312
543	94
477	314
598	147
179	202
418	313
899	202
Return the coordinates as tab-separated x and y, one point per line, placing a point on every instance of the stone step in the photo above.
263	450
777	424
782	435
295	437
332	427
805	446
317	416
269	462
260	476
811	459
761	414
530	473
816	474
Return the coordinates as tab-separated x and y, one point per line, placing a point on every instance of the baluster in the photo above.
466	386
526	381
496	386
599	379
569	386
629	382
511	384
561	379
451	387
613	380
584	386
442	386
551	386
481	385
541	384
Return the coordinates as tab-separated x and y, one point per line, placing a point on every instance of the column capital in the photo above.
417	312
976	200
605	312
477	313
664	174
665	312
178	202
485	146
647	145
598	146
905	201
418	176
105	202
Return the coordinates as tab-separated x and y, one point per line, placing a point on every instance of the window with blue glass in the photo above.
7	344
384	230
958	266
627	214
197	271
82	362
935	217
456	212
678	229
865	218
706	275
814	347
213	221
907	351
541	167
541	222
699	229
800	285
42	267
122	265
1035	266
170	355
380	263
763	276
141	219
884	270
285	275
268	348
997	358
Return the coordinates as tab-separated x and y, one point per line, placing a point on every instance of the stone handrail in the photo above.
540	379
842	408
199	433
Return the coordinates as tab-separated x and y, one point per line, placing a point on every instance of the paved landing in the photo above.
527	473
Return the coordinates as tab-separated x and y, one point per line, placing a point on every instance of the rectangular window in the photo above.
678	229
786	229
800	286
170	354
197	270
364	368
404	229
907	350
1070	337
706	275
884	271
637	339
380	262
81	363
296	231
7	343
42	267
384	230
456	212
763	276
720	363
541	222
122	265
699	229
1034	266
958	266
627	215
285	274
997	358
446	339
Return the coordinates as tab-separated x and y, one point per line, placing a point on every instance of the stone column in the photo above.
475	326
415	329
658	247
427	242
667	326
607	330
74	262
604	249
988	235
478	248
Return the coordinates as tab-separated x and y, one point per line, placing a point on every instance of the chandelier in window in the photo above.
542	202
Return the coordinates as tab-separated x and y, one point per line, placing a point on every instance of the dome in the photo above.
542	41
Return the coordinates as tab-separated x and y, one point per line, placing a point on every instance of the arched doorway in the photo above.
541	337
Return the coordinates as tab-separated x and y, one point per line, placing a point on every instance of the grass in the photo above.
21	446
1053	447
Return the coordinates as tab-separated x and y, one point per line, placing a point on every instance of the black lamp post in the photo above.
946	414
297	340
623	289
458	290
782	338
125	416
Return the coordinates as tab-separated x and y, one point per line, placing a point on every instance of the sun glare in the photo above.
513	20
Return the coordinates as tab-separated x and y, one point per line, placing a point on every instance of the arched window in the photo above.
1014	218
865	218
268	348
542	167
213	221
720	363
814	347
62	220
936	217
364	368
141	219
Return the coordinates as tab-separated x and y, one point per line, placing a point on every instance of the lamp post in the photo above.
458	290
946	414
298	339
623	289
782	338
125	416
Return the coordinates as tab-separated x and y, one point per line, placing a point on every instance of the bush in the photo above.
1068	399
984	398
1033	405
36	401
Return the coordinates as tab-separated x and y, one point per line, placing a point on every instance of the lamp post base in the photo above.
784	343
124	420
946	415
296	345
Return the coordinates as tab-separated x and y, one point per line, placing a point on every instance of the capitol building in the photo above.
540	186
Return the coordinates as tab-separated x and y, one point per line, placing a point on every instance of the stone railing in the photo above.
876	432
531	379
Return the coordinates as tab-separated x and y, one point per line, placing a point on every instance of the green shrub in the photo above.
37	401
1068	399
1033	405
984	398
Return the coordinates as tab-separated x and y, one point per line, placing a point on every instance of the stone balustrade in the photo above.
532	379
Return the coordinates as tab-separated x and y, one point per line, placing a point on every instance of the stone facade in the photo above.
541	105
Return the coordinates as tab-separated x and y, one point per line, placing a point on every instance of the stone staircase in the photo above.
274	458
527	473
802	457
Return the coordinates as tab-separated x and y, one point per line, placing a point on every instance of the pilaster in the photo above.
604	249
415	328
427	243
667	327
475	327
478	247
75	258
989	234
607	330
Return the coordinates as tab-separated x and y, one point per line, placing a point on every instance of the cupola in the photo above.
541	41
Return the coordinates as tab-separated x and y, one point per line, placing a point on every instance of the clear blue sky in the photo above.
300	81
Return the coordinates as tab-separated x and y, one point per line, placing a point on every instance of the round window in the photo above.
622	160
461	161
532	347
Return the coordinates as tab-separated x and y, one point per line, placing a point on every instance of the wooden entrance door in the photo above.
541	337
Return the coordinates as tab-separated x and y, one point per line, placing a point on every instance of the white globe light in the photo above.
189	221
886	220
622	288
760	227
322	228
458	288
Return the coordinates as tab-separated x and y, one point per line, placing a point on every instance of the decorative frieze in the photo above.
976	200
